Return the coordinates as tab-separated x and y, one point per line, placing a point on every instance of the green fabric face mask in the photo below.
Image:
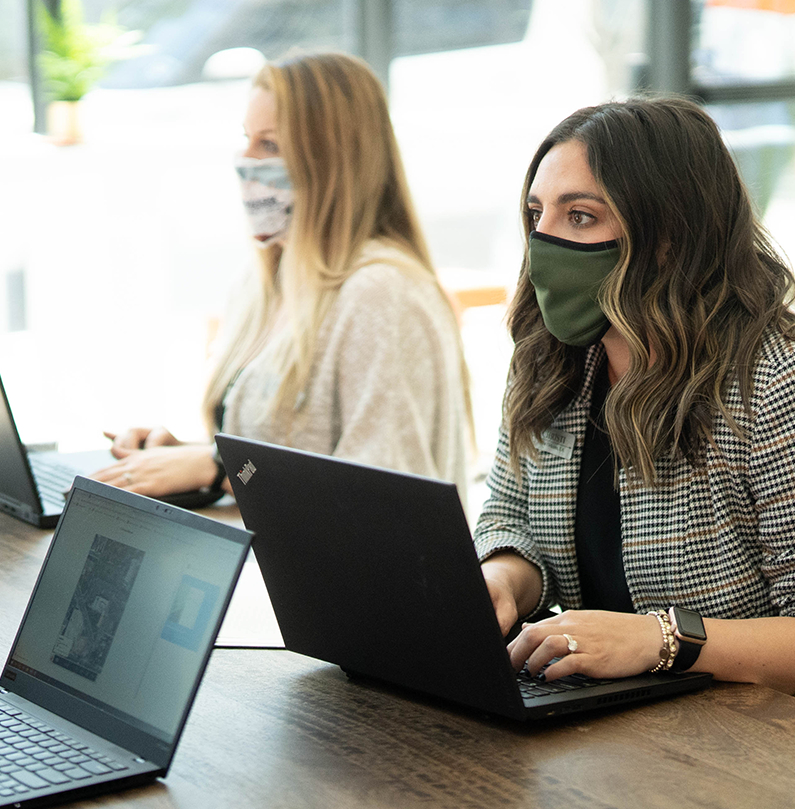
567	277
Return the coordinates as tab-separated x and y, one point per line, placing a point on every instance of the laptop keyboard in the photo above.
53	479
532	688
34	755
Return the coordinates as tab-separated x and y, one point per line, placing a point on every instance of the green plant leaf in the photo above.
74	54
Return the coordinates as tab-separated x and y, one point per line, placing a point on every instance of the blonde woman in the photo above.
342	342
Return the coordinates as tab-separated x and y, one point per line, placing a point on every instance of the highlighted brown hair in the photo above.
699	285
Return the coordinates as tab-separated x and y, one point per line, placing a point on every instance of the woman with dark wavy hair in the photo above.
645	477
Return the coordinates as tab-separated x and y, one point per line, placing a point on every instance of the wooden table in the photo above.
273	729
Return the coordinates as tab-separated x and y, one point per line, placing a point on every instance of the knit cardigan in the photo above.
386	386
718	538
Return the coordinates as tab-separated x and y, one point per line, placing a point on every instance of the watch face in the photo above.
689	624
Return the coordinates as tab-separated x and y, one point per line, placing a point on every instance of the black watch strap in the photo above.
686	656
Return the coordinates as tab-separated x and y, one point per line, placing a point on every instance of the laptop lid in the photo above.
122	620
376	571
18	493
373	570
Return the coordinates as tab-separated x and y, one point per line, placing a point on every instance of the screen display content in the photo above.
135	597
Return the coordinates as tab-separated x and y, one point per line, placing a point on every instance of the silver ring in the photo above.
573	645
127	477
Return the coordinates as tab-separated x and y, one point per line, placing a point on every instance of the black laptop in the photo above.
115	639
33	484
376	571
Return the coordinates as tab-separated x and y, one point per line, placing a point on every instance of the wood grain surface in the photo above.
274	729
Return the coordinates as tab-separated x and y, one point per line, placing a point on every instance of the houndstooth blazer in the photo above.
719	539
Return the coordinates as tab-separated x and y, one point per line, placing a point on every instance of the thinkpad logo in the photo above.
246	472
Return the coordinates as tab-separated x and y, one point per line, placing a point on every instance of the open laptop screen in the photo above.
16	483
126	609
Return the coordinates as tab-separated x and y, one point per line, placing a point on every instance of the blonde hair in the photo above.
337	142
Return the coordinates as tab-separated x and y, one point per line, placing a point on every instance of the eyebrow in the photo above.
259	133
571	196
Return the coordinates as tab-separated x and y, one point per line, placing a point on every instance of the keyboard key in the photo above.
567	686
551	688
30	779
533	692
53	776
96	767
77	773
58	748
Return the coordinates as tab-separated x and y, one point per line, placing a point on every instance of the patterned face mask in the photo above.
567	277
267	196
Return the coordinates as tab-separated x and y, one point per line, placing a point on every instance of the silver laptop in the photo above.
33	484
376	571
111	649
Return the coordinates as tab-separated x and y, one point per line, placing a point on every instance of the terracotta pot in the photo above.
63	123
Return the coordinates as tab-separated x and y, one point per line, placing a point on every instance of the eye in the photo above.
581	219
535	217
269	146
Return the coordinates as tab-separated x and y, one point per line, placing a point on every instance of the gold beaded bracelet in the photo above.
668	649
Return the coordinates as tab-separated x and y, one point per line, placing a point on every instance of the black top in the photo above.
597	528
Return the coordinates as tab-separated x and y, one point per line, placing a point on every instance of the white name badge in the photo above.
558	442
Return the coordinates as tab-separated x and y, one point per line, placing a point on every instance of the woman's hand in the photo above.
608	644
514	585
140	438
503	601
161	470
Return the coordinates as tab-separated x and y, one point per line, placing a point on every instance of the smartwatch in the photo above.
688	629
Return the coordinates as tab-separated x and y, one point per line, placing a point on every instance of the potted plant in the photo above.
73	57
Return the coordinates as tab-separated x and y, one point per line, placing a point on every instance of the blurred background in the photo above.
117	250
